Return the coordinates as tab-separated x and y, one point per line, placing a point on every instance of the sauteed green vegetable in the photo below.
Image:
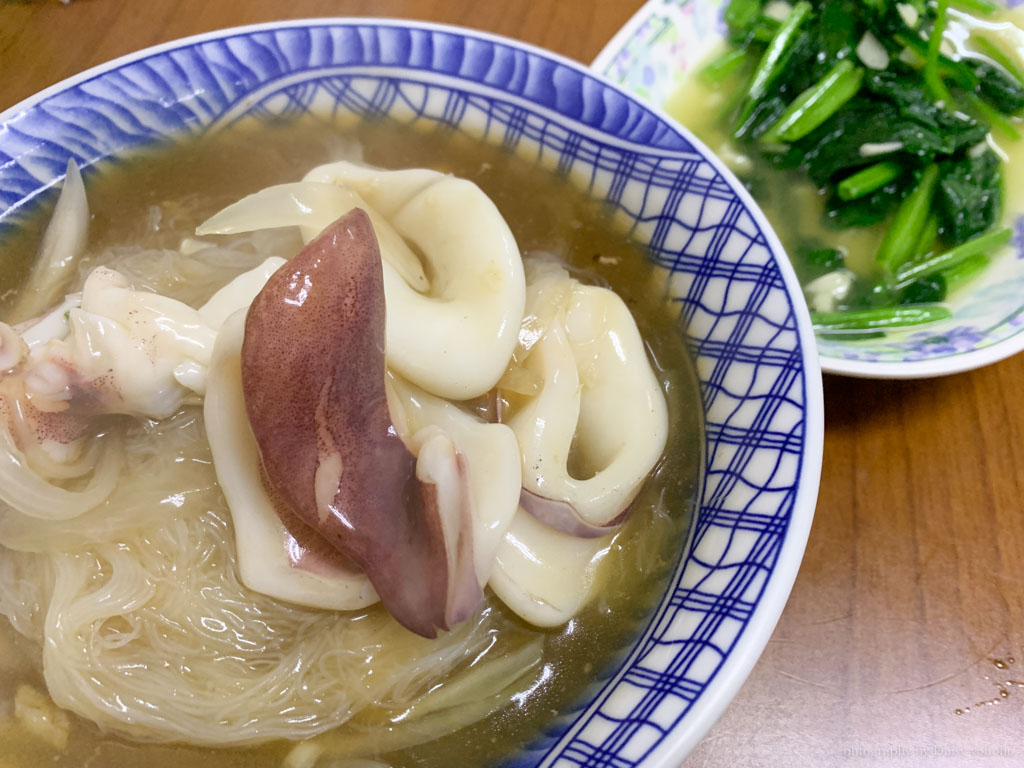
895	125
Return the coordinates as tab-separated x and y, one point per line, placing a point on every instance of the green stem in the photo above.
721	67
817	104
774	57
947	68
929	232
740	14
867	180
764	30
881	318
993	117
957	275
980	7
980	245
932	78
998	55
900	241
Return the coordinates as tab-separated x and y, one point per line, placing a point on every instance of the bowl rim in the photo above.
928	368
680	739
932	367
749	645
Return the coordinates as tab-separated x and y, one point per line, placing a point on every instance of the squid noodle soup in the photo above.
134	631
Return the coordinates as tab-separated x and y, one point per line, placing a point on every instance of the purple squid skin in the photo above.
313	381
563	517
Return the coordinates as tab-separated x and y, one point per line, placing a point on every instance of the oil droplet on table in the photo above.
1004	686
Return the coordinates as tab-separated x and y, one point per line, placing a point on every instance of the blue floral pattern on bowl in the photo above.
738	302
654	53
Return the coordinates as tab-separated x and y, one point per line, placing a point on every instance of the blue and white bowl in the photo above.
739	303
665	42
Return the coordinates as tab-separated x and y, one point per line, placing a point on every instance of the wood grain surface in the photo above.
903	640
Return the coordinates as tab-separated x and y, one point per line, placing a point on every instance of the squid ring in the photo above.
598	425
453	319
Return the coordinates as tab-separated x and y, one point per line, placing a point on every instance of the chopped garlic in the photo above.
778	10
994	146
872	53
738	162
869	149
42	718
825	292
909	14
980	148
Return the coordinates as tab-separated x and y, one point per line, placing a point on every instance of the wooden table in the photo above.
903	640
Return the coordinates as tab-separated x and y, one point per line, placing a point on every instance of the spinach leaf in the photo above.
839	31
812	259
870	209
837	145
998	89
924	290
905	90
902	87
969	197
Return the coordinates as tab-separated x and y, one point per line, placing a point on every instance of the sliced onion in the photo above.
311	206
63	242
24	490
455	706
490	677
44	465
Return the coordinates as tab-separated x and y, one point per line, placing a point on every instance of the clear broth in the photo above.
545	212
